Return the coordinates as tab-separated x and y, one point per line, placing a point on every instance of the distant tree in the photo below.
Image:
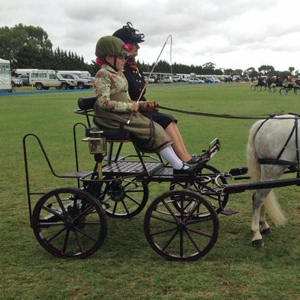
267	70
291	70
23	40
228	72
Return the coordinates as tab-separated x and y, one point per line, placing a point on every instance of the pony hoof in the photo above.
266	231
258	243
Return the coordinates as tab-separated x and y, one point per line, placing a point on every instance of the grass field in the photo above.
125	267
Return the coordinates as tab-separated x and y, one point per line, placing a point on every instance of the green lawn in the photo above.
125	267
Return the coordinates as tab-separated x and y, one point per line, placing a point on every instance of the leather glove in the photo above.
152	107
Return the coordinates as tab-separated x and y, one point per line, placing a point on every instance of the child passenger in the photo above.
114	105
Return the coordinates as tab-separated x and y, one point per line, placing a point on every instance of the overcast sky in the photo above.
229	33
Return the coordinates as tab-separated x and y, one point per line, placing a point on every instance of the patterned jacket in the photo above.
107	83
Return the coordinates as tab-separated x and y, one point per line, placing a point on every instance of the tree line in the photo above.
29	47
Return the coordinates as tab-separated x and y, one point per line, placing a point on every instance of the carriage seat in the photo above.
86	105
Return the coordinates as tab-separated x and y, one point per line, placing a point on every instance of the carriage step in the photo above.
229	212
79	174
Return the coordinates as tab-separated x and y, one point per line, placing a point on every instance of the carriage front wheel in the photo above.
69	223
181	234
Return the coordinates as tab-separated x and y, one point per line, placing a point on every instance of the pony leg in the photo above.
257	204
265	228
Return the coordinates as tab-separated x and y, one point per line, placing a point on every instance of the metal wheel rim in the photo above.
70	226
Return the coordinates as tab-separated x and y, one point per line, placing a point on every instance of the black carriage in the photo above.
180	224
286	87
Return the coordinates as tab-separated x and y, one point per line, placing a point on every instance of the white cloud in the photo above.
231	34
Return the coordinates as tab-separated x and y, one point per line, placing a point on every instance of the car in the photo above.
25	79
81	82
167	79
150	80
176	78
16	82
196	80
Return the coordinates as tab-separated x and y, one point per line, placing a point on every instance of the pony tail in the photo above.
252	158
274	210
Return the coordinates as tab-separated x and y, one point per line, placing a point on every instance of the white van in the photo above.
44	79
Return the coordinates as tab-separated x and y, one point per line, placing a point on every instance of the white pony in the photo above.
271	149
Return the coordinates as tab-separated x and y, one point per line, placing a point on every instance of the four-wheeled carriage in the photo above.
71	222
180	224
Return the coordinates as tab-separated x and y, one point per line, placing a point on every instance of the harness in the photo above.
278	161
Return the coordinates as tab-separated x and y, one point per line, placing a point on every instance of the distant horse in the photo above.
272	147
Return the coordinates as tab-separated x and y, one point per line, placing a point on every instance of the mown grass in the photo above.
125	267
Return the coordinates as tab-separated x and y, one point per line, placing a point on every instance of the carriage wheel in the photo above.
253	87
123	198
272	89
69	223
297	91
263	88
181	235
283	91
205	188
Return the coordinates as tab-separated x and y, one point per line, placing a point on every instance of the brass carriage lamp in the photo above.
97	146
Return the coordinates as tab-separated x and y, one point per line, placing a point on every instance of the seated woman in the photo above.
136	83
114	105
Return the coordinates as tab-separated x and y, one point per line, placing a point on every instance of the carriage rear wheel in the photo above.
69	223
272	89
283	91
297	91
253	87
204	186
181	235
122	198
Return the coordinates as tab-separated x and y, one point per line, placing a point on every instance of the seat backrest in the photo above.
87	103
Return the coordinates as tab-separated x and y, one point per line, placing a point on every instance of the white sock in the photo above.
169	155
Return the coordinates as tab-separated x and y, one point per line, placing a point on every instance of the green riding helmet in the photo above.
111	45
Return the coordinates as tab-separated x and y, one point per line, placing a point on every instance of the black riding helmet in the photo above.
129	35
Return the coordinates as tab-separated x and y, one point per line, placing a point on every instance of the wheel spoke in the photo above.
163	231
90	236
78	241
181	243
193	241
200	232
133	200
54	212
162	219
192	211
170	240
84	213
55	236
66	241
170	210
124	205
61	205
115	207
50	224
